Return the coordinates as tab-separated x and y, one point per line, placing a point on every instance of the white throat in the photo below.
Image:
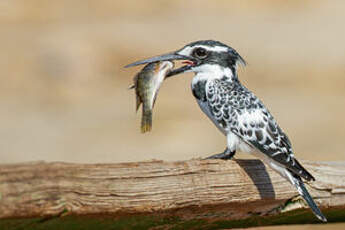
210	72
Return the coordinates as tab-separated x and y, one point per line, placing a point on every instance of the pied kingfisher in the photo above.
236	111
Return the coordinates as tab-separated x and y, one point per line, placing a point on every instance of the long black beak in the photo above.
164	57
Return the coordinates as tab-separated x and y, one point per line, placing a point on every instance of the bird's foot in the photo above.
226	155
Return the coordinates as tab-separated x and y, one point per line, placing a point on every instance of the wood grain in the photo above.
194	188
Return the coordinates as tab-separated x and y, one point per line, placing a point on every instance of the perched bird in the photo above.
147	84
237	112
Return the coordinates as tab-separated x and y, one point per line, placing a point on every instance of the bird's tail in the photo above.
298	183
146	120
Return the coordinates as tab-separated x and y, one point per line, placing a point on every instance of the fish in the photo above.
147	84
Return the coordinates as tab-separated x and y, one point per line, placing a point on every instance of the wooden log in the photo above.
231	189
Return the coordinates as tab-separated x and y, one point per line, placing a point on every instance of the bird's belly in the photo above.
244	147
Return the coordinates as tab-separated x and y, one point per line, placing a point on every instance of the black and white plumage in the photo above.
241	116
237	112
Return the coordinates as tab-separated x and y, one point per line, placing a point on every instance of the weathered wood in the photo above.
194	188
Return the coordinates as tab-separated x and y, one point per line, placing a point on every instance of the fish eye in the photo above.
200	53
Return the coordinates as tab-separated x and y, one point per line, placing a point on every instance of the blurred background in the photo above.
64	92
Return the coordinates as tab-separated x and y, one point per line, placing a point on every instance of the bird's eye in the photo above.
200	53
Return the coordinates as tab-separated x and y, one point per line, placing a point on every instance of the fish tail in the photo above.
146	120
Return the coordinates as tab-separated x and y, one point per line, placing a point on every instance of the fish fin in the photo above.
138	98
146	120
138	102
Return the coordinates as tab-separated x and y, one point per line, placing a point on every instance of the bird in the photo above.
236	111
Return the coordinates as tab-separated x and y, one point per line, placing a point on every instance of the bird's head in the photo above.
208	56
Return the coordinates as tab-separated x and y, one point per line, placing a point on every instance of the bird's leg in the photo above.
226	155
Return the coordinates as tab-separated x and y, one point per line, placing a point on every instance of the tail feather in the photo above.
146	120
298	183
301	171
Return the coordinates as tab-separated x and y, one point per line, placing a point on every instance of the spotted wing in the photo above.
238	110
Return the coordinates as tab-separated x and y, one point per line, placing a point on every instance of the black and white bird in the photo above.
236	111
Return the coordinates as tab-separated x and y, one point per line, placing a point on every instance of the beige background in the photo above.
63	89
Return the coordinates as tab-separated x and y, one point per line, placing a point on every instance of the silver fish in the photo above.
147	83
